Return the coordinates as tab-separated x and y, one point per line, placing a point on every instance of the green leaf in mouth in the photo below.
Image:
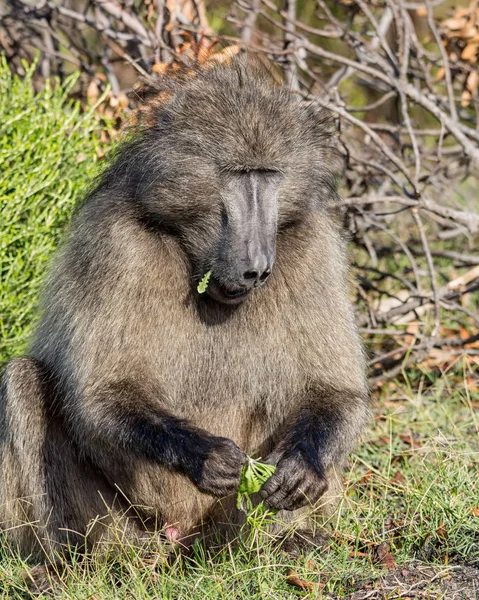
203	284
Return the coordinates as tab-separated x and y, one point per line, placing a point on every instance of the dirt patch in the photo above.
455	582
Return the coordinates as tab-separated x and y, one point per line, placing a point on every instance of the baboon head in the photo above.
228	161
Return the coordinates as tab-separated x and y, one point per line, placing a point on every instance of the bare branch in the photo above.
393	80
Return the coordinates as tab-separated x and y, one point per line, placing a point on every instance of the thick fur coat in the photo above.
139	396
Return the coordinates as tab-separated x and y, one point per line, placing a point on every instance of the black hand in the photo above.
295	484
221	470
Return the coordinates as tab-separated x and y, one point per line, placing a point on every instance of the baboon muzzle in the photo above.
249	233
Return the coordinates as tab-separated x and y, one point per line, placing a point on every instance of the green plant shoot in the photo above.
203	284
254	474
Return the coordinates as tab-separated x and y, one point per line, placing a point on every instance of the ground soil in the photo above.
455	582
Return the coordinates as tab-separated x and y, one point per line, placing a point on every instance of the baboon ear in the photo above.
324	126
150	98
320	118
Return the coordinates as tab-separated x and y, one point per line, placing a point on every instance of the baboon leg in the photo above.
48	495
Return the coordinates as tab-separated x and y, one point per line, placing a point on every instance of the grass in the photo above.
48	150
411	499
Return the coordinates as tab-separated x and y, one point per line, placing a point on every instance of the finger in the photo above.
307	494
318	489
297	499
297	493
277	498
288	504
272	485
274	458
294	496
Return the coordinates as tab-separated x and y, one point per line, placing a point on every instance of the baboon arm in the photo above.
321	436
326	428
122	418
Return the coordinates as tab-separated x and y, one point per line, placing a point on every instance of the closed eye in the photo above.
289	223
245	171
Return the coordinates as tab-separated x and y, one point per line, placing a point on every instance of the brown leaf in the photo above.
295	580
441	531
470	52
439	356
366	477
384	557
472	81
454	25
447	332
383	441
470	382
93	91
414	328
466	97
398	478
408	439
389	523
467	32
466	11
475	511
472	274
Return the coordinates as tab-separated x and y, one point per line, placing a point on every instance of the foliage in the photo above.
203	284
48	151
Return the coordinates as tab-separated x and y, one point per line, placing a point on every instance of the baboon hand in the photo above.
295	484
221	470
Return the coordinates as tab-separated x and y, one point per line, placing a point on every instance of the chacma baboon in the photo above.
139	397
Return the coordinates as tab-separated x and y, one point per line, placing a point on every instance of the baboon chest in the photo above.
230	368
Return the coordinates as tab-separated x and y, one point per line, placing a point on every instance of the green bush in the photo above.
48	152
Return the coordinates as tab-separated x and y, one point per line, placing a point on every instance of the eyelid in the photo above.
273	171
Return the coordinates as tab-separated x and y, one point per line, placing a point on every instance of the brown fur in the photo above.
124	333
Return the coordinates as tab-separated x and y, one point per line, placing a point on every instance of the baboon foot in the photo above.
43	579
302	541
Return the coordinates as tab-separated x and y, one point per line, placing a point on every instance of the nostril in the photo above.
251	274
265	275
256	276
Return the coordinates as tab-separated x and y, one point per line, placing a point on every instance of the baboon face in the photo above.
227	222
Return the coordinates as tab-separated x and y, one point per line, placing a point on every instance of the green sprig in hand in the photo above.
254	474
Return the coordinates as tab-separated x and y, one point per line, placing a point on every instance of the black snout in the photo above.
258	272
248	248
